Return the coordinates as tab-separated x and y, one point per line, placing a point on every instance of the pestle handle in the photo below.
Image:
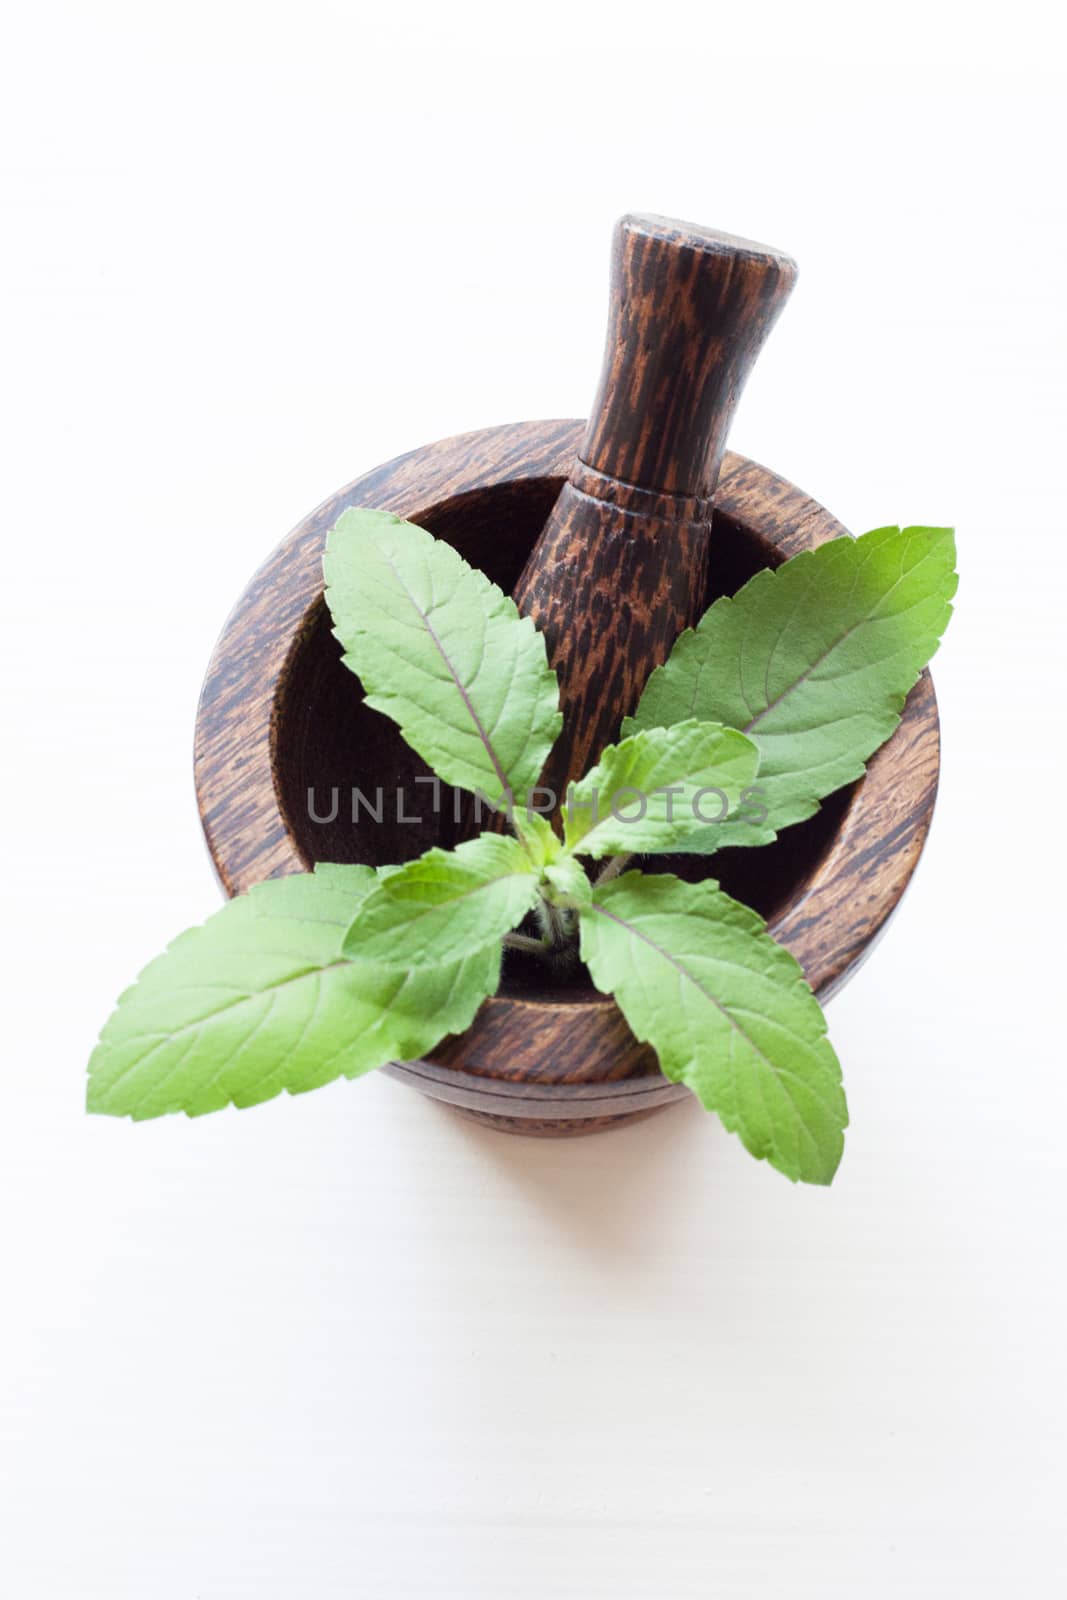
621	565
688	314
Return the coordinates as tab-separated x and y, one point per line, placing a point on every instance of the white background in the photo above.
351	1345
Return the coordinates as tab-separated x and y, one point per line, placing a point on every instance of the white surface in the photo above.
350	1345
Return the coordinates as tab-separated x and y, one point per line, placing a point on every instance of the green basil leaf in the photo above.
446	905
813	661
259	999
650	792
443	652
727	1011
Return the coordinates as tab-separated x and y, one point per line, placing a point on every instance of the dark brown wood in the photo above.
688	313
279	713
620	567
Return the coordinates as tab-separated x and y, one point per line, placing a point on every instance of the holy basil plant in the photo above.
777	698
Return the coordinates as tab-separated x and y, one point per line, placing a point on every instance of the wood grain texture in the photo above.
620	567
279	710
689	309
611	588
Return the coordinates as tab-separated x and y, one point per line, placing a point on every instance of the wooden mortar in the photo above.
280	716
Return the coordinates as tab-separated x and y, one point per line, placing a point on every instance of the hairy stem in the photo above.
523	942
616	865
554	923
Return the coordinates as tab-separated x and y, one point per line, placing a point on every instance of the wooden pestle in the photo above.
620	567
